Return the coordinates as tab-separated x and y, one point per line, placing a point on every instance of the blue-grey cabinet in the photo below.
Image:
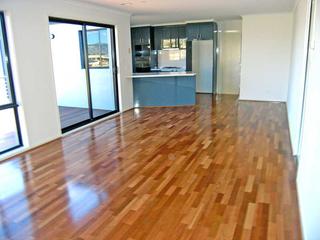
169	37
206	31
200	31
158	35
141	35
192	30
182	31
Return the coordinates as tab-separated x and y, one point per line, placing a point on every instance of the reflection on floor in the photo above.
220	170
72	115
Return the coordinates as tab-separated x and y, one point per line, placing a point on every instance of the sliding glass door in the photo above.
69	73
10	135
84	67
101	70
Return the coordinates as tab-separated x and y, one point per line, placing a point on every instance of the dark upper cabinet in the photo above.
134	36
174	36
206	31
192	31
141	35
169	37
200	31
182	37
182	31
158	33
166	38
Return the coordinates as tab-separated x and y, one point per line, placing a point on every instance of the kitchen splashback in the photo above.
172	58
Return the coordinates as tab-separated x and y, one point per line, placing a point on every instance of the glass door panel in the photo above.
101	70
5	89
10	136
70	73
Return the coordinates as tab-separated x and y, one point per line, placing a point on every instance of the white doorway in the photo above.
202	65
229	63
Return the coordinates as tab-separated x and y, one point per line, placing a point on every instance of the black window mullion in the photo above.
87	69
112	55
8	106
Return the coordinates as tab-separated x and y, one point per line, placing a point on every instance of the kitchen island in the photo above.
164	89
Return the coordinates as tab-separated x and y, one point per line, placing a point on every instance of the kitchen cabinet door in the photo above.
135	39
182	37
206	31
140	35
166	38
182	31
189	56
145	35
192	31
158	35
174	36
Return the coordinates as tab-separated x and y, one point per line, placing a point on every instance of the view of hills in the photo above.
94	49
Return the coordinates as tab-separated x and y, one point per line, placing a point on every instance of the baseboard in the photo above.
300	212
257	100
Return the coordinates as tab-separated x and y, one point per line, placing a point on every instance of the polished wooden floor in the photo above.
220	170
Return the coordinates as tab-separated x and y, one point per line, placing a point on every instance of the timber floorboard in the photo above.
222	169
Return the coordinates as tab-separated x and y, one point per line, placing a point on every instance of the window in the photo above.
174	43
84	64
98	48
98	54
10	135
182	43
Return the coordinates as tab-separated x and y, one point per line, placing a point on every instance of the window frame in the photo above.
13	105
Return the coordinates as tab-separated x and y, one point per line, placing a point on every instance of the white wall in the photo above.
298	68
31	53
229	56
266	53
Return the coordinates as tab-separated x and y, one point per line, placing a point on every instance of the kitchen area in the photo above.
172	63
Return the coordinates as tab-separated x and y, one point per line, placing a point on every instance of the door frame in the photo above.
87	69
13	105
312	17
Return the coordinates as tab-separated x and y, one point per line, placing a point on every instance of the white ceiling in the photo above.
166	11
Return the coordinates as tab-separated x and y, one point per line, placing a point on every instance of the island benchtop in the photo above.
162	74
